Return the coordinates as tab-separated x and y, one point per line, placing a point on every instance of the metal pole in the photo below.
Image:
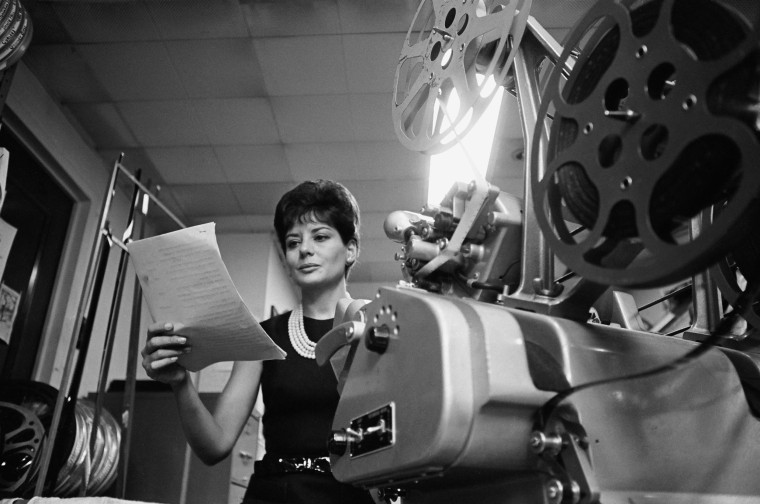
128	401
105	361
96	265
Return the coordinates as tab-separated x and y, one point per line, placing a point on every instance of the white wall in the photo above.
247	259
85	176
281	293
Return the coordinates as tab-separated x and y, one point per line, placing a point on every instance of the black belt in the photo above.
283	465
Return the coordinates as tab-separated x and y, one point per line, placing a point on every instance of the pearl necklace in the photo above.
297	334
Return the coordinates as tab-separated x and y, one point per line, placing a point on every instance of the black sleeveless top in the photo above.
300	397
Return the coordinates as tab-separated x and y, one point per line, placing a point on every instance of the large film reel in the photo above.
456	52
35	401
22	438
654	125
38	399
15	32
97	465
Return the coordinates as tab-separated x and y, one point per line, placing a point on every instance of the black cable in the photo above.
567	276
486	286
678	331
666	297
742	305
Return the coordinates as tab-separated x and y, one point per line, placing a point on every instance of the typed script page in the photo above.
185	281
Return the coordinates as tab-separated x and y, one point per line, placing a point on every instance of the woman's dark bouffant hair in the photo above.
324	200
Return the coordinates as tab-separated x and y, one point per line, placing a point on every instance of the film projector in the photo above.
487	377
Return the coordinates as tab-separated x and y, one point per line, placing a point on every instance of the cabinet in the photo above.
157	455
246	451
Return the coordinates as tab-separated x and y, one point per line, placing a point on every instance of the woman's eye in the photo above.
291	244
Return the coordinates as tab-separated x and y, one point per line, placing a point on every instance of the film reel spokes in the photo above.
646	134
96	465
456	52
23	435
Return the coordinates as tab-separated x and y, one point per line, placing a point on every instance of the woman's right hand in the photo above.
161	352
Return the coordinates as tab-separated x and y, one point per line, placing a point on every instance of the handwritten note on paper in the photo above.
185	281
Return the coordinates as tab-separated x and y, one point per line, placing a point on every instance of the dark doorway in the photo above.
40	210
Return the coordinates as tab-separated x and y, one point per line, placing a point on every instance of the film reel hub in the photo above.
645	136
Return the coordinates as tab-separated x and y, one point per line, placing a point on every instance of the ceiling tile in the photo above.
157	214
260	198
308	119
163	123
92	22
204	199
137	164
291	17
336	160
134	71
48	28
183	165
371	62
372	117
133	159
369	16
390	161
237	121
162	224
197	19
65	73
254	163
105	124
217	68
302	65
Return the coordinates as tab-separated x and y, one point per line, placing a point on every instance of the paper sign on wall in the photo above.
4	157
7	235
9	301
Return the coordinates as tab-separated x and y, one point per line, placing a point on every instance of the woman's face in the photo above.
316	254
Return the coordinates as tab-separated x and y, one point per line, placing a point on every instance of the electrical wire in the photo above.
742	306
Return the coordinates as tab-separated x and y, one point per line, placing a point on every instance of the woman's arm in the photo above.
211	435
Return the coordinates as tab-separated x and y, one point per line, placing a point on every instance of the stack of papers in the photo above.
185	282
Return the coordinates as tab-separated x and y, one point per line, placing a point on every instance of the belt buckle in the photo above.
289	464
301	464
322	464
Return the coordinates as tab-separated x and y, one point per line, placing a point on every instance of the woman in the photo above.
317	224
